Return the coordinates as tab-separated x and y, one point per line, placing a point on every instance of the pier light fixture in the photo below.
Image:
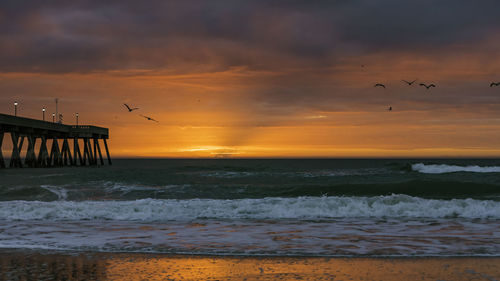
43	113
53	118
76	118
15	108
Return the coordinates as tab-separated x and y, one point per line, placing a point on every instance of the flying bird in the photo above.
130	109
494	84
409	83
427	86
150	119
379	85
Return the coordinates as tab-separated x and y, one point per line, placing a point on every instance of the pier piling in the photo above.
2	163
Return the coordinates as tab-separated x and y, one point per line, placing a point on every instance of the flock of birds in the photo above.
427	86
130	109
410	83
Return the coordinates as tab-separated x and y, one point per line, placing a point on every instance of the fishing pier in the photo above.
40	135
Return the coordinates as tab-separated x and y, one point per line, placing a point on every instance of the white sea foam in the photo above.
339	237
441	169
306	208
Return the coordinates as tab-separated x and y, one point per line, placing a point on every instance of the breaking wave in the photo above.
441	169
61	193
302	208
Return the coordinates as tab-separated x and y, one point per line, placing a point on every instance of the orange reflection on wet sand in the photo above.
282	268
19	265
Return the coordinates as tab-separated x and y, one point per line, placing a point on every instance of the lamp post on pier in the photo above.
53	118
76	118
15	108
57	110
43	112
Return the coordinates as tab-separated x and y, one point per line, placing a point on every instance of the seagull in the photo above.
494	84
149	118
379	85
427	86
409	83
130	109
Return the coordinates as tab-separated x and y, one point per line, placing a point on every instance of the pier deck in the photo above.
54	133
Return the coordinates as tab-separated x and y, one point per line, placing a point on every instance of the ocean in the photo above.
257	207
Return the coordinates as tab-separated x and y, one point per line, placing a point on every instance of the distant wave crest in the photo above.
306	208
441	169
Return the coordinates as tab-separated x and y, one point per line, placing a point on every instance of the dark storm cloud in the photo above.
83	36
394	24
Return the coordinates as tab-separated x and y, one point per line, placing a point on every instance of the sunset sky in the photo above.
261	78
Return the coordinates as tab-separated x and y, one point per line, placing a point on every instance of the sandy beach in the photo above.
16	265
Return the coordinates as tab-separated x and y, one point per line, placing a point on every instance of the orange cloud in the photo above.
289	111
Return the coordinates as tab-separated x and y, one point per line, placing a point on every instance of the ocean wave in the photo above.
48	175
123	191
228	174
442	168
60	192
298	174
110	186
342	172
302	208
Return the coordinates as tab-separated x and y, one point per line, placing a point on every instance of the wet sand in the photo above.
17	265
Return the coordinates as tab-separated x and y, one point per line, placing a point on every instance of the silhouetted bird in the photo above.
130	109
494	84
150	119
427	86
379	85
390	108
409	83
